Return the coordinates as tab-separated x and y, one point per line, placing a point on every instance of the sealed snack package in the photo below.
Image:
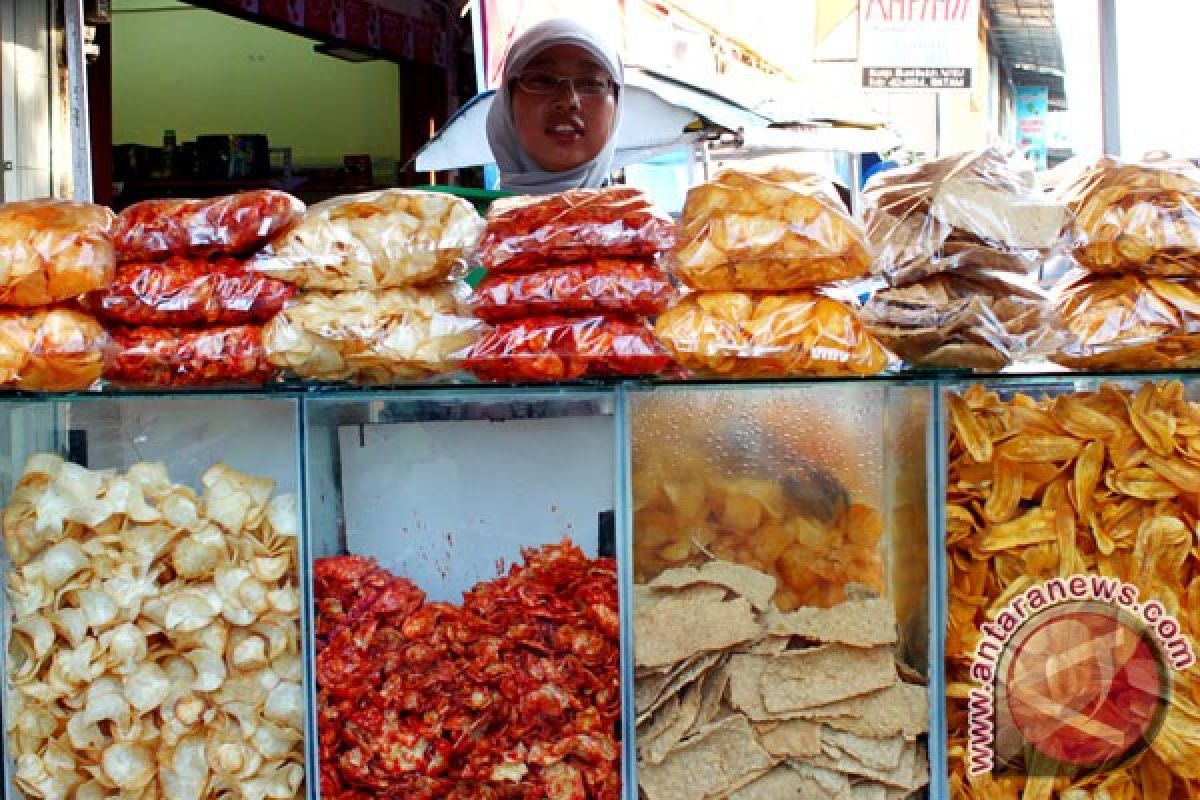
559	349
981	209
1127	321
737	334
50	350
974	319
1136	217
234	224
371	337
774	231
614	286
376	240
53	250
182	292
221	356
526	233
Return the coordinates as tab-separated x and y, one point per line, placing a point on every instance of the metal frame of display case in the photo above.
32	423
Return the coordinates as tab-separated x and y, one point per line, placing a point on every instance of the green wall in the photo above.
200	72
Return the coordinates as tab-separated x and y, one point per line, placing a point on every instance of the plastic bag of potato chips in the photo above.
777	231
52	250
53	350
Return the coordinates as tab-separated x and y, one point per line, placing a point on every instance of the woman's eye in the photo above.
591	85
541	82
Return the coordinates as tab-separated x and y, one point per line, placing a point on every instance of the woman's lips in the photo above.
565	133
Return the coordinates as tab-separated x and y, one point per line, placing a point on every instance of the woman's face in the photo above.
565	127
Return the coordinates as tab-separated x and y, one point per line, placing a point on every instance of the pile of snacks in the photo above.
52	251
515	693
699	491
980	319
1137	241
784	233
1099	484
571	278
381	296
155	646
761	704
948	229
185	307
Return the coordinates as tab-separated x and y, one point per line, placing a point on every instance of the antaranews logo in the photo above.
1073	676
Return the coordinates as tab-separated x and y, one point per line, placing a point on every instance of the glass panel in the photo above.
158	543
781	566
1071	513
500	642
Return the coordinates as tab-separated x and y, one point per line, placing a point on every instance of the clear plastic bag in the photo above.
53	250
372	337
234	224
51	350
386	239
776	231
1127	321
561	349
976	209
973	319
612	286
1135	217
527	233
736	334
185	292
165	357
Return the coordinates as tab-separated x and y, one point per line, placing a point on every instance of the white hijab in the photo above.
518	171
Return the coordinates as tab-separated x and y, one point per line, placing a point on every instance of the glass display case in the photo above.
643	570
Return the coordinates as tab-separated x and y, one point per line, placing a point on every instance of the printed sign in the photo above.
929	45
1033	111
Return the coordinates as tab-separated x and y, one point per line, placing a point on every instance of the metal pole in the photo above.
1109	89
81	135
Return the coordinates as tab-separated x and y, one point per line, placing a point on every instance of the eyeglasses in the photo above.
545	83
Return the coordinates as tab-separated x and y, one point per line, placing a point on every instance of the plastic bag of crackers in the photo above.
979	209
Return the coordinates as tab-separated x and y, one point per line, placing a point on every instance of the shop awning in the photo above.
1027	37
661	114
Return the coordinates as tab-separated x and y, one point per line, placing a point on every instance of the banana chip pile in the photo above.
155	649
776	231
975	319
980	209
761	704
1100	483
1127	321
1141	218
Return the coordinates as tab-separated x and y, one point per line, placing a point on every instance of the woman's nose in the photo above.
565	96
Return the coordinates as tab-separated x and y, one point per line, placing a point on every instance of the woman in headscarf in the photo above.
553	122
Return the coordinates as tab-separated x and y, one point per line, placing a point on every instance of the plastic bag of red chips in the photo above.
558	349
223	356
525	233
605	285
185	292
232	225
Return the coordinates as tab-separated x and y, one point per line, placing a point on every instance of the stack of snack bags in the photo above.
381	299
1134	300
52	251
960	242
756	247
184	308
572	278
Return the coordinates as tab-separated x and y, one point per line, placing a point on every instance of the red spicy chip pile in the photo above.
230	355
604	285
514	695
